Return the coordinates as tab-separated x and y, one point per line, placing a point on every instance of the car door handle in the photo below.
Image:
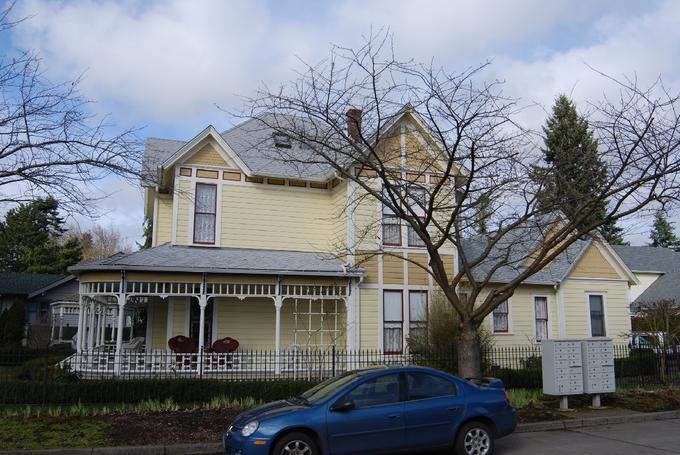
453	408
393	416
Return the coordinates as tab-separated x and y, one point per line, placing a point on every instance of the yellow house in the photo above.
246	246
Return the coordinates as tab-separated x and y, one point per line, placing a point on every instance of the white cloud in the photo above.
168	63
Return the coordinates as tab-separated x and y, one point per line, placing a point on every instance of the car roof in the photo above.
398	368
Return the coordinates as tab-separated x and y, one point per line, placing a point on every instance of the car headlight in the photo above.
250	428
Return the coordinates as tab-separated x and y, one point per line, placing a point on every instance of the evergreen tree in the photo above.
575	173
662	234
31	239
148	233
613	234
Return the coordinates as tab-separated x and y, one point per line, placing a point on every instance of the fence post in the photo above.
333	369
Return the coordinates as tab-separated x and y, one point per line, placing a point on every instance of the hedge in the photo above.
134	391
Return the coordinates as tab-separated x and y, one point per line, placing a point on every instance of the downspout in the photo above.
561	321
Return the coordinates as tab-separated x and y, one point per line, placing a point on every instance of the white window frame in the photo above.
548	314
510	326
385	213
403	321
602	294
426	322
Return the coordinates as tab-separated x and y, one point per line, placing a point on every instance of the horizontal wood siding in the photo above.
593	265
164	221
159	322
416	274
185	203
209	156
617	317
272	218
393	270
370	322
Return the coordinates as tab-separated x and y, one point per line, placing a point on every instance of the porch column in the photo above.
114	326
121	320
202	303
81	325
278	303
90	331
102	329
61	323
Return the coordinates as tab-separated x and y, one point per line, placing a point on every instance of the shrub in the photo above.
640	362
45	369
12	322
135	391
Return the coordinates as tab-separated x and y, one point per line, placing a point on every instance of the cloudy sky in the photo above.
164	66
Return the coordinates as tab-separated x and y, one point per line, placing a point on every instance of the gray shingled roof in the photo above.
513	250
25	283
177	258
253	142
653	259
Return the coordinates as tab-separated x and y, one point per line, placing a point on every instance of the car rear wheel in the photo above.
296	444
474	438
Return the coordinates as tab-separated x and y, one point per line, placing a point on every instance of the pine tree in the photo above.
572	181
662	234
31	239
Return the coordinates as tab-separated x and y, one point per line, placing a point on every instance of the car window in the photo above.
377	391
327	388
424	385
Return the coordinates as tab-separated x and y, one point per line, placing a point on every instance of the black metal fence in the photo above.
517	366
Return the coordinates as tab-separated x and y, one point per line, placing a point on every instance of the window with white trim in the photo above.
417	305
417	200
541	317
205	213
501	318
391	224
393	322
596	309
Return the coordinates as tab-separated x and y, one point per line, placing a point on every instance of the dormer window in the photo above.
282	140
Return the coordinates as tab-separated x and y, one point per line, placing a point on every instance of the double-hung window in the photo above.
205	213
501	318
596	308
541	316
391	225
417	304
417	200
393	322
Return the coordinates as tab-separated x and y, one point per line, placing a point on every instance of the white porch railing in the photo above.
241	365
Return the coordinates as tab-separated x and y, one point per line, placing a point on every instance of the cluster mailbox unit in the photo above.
574	367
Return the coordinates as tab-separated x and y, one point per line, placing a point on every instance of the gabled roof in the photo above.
65	279
26	283
251	145
647	259
178	258
517	245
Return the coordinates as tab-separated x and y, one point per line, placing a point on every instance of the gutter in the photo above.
344	273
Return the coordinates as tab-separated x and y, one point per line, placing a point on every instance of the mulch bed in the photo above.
174	427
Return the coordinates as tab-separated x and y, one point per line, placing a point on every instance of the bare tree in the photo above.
49	142
482	159
661	318
101	242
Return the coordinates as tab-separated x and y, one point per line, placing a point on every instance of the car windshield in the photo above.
323	391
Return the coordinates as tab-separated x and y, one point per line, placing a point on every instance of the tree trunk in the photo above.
469	352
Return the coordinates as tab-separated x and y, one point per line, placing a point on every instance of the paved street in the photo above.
652	438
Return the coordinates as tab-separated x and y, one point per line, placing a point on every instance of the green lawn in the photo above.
51	433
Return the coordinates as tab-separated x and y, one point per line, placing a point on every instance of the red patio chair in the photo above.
183	345
225	345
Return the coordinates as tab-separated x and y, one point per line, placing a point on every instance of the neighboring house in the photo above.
41	292
657	270
244	246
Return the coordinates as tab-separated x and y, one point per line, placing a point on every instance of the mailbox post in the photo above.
598	362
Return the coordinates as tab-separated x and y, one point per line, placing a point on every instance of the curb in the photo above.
178	449
569	424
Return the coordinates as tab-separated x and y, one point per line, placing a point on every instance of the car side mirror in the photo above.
343	406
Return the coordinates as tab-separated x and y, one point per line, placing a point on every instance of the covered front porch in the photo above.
285	321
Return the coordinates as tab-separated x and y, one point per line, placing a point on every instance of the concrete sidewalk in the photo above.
634	432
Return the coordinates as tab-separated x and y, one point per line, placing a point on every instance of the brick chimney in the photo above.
354	124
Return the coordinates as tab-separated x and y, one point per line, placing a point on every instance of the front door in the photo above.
195	322
376	424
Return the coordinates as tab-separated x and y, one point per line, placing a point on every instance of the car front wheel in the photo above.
296	444
474	438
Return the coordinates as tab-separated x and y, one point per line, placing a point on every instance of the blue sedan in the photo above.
378	410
